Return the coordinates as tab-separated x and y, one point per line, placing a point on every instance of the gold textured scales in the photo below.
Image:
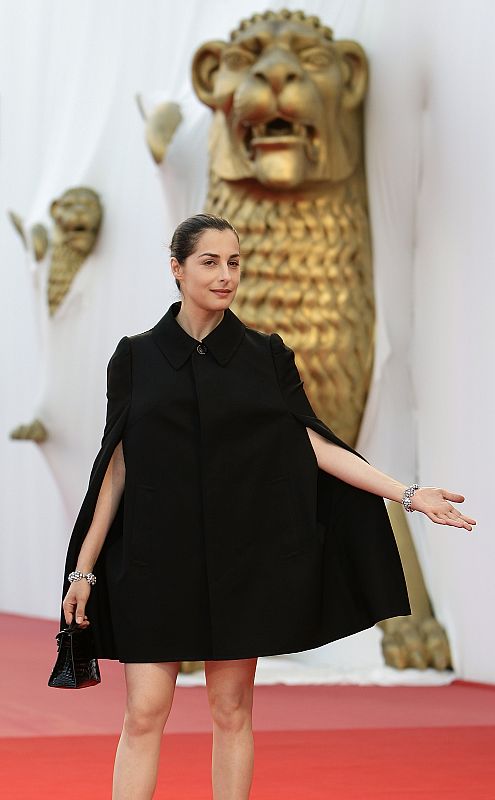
64	265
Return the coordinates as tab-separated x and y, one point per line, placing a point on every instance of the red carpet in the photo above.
453	763
312	742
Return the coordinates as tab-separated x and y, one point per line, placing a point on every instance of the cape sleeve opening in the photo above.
293	392
119	392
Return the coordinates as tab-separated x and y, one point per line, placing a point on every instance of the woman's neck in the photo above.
198	322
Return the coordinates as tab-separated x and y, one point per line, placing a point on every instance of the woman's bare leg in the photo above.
230	695
150	691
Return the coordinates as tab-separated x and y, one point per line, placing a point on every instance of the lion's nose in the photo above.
277	73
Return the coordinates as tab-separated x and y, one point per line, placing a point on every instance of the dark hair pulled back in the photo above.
187	233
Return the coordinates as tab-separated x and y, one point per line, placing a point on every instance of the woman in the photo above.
223	519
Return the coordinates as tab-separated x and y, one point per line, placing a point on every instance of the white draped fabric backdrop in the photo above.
69	73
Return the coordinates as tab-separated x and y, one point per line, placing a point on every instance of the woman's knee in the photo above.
142	719
231	710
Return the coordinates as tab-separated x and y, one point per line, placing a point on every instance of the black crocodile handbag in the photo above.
76	665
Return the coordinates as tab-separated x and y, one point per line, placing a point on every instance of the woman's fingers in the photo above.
451	518
69	605
74	606
448	514
434	502
455	514
469	520
81	606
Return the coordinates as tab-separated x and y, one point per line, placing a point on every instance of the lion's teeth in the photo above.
259	130
298	129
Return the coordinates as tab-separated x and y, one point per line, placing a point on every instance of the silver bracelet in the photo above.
76	576
407	496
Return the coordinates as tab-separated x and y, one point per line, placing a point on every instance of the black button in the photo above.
202	349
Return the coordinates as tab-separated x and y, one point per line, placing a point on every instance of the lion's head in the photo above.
286	97
77	215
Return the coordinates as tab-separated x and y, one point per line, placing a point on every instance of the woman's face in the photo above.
214	265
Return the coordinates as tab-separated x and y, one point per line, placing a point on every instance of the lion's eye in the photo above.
315	57
237	59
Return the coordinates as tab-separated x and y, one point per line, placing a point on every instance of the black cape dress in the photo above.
229	541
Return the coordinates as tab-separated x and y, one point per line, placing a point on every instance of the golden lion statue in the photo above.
77	217
287	169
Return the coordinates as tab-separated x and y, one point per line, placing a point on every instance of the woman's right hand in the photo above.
75	602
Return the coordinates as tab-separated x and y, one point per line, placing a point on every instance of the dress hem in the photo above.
270	651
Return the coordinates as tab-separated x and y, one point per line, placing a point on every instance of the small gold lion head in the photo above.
287	98
77	215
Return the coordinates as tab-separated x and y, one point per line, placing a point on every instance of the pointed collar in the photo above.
177	345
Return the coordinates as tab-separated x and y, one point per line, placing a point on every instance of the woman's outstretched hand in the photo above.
356	471
435	504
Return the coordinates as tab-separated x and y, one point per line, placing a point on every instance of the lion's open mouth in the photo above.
278	130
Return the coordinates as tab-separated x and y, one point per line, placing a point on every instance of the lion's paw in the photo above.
417	643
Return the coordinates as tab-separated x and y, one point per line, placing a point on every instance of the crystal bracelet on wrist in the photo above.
77	575
407	496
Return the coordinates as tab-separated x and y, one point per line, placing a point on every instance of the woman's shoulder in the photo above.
135	340
129	345
271	341
256	341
